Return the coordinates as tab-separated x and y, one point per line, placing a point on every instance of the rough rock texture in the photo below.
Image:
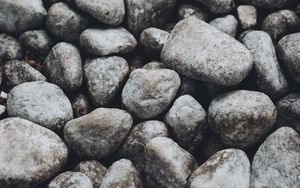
10	49
269	4
247	16
107	41
147	93
218	6
186	10
104	77
122	174
228	168
277	161
241	117
99	133
200	51
228	24
153	39
71	180
40	102
30	154
80	105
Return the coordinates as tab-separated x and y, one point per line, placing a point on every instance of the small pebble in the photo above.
80	105
10	49
153	39
228	24
187	10
247	16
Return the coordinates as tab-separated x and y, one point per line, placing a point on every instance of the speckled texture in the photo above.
80	105
228	24
247	16
186	10
269	4
10	49
30	154
218	6
71	180
153	39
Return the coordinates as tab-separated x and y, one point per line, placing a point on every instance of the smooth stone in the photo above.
71	180
153	39
247	16
228	24
11	48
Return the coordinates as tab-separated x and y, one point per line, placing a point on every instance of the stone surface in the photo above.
99	133
153	39
154	65
104	77
71	179
2	110
269	4
186	10
200	51
40	102
218	6
30	154
247	16
10	49
147	93
80	105
228	24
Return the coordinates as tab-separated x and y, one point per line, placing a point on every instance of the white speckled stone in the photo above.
71	180
228	24
247	16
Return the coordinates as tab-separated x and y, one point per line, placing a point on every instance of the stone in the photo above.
147	93
187	120
2	110
40	102
269	4
218	6
229	168
80	105
200	51
153	39
63	66
122	174
11	48
154	65
228	24
186	10
247	16
104	77
17	16
99	133
71	179
17	72
167	164
103	42
276	162
30	154
241	118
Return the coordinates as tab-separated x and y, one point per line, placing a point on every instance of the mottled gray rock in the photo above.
99	133
241	117
185	11
107	41
17	72
270	77
277	161
154	65
30	154
134	145
218	6
144	13
41	102
80	105
111	12
104	77
153	39
94	170
200	51
228	168
247	16
147	93
167	164
63	66
270	4
228	24
10	49
65	23
20	15
122	174
187	120
71	180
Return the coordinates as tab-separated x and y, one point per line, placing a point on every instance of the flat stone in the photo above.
247	16
11	48
71	179
218	6
228	24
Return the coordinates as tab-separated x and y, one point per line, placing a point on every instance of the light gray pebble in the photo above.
186	10
218	6
228	24
71	180
153	39
154	65
247	16
269	4
11	48
80	105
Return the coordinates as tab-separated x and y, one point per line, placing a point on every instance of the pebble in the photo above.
247	16
218	6
153	39
154	65
228	24
11	48
80	105
186	10
269	4
71	180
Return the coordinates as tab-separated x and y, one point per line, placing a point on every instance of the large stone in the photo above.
228	24
218	6
71	179
10	49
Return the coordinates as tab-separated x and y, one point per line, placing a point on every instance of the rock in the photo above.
269	4
17	72
153	39
94	170
71	179
228	24
99	133
200	51
186	10
11	48
247	16
154	65
37	40
20	15
2	110
218	6
167	164
289	54
122	174
80	105
187	120
277	161
270	77
241	117
227	169
103	42
40	102
104	77
134	145
144	13
30	154
147	93
63	66
109	12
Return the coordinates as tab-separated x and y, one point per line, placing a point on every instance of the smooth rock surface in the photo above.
71	180
153	39
247	16
218	6
186	10
228	24
10	49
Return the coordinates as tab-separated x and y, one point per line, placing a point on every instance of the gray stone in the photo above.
99	133
2	110
153	39
200	51
154	65
30	154
20	15
41	102
269	4
186	10
122	174
228	24
10	49
17	72
63	66
103	42
104	77
71	180
147	93
241	117
277	161
80	105
228	168
247	16
218	6
167	164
